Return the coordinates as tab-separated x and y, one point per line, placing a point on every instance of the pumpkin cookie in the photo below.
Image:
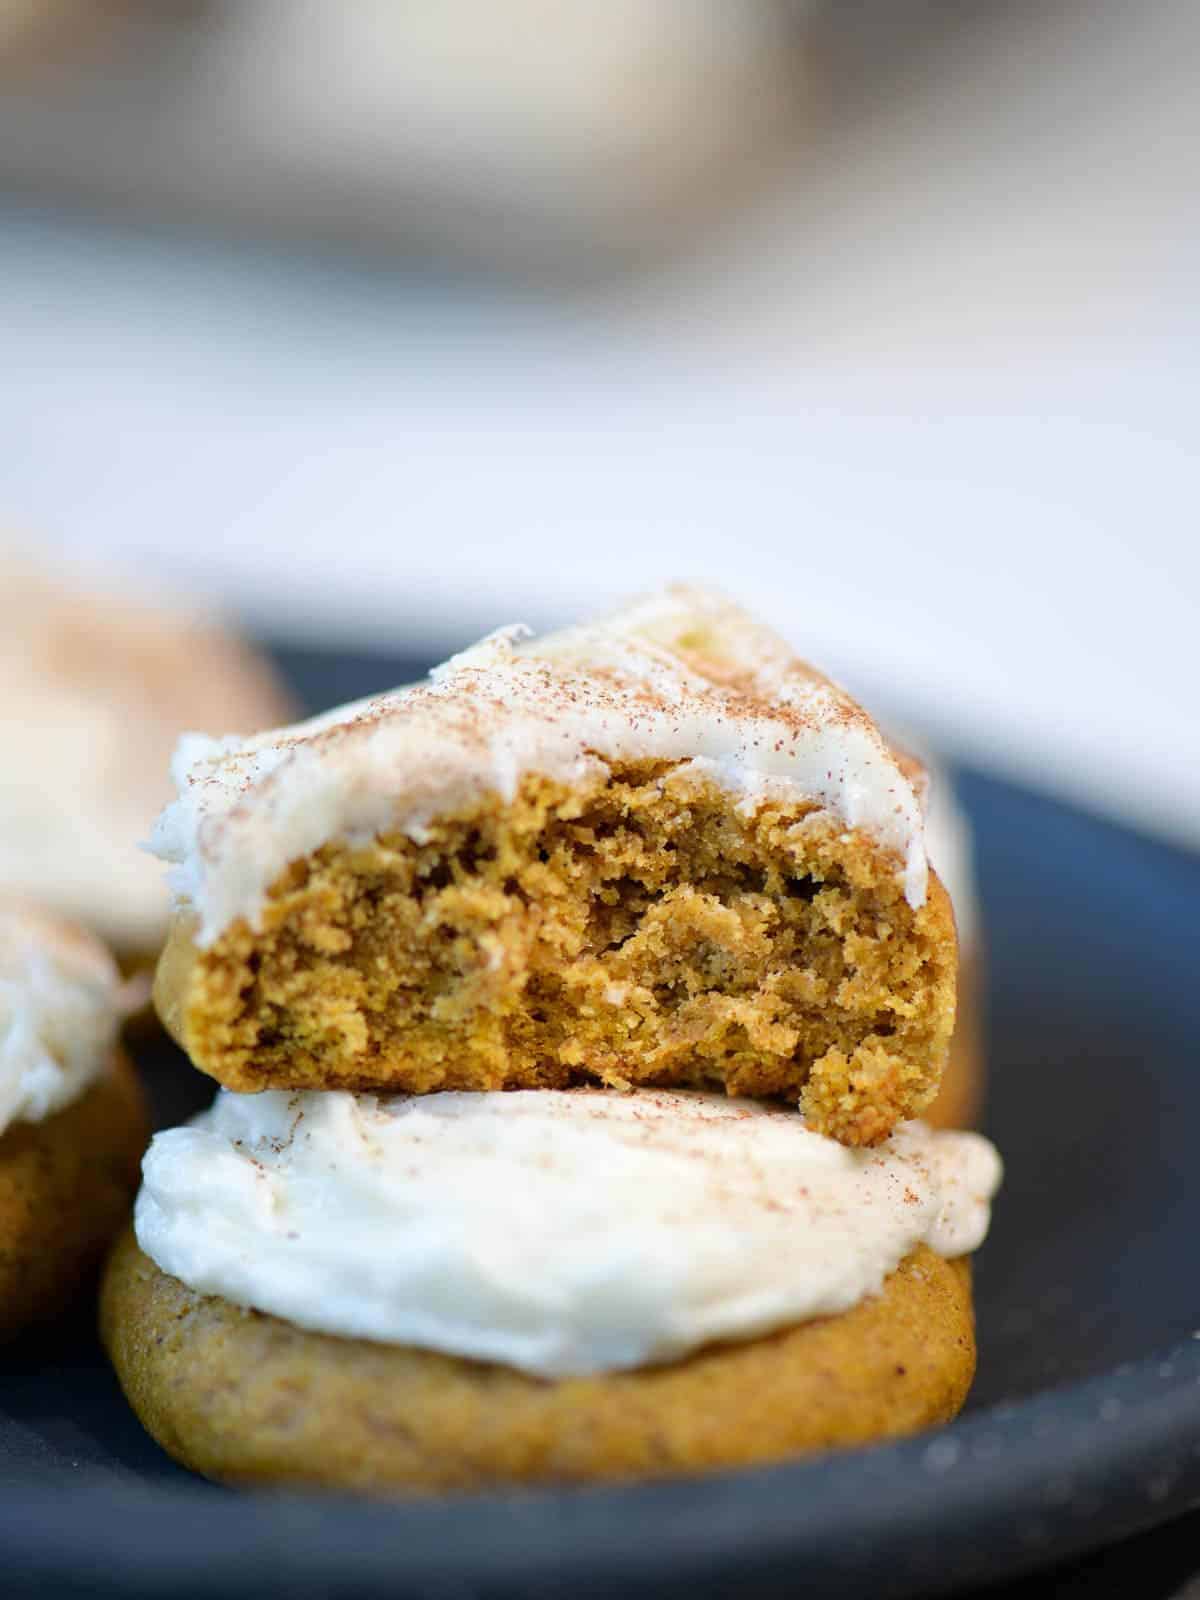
659	850
460	1290
72	1122
249	1398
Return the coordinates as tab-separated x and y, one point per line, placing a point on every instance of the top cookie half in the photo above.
658	849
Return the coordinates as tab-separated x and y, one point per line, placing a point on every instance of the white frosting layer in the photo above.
60	1005
558	1232
683	676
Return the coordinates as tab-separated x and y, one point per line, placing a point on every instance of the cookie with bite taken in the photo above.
655	850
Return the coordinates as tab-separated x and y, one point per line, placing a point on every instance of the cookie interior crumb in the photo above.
633	929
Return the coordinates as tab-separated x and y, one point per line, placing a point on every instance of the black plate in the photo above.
1084	1425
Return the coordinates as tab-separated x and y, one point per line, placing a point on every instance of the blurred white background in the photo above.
927	400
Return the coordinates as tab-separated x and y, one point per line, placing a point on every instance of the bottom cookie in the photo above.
66	1186
246	1397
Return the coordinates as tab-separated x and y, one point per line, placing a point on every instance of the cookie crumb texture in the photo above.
633	930
247	1398
66	1186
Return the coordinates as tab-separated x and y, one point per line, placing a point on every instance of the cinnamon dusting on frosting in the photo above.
681	676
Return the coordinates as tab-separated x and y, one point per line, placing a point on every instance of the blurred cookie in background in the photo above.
72	1117
31	29
948	837
520	136
98	685
36	34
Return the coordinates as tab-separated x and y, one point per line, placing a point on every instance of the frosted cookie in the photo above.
72	1122
465	1290
655	850
97	689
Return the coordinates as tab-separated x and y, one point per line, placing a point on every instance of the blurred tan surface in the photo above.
938	379
528	133
955	171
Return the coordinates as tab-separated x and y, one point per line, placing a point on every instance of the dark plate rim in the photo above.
995	1494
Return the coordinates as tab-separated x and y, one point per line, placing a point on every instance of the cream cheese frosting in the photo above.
682	676
98	686
60	1007
558	1232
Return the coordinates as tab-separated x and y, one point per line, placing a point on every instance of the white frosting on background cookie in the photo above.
683	676
60	1006
558	1232
98	686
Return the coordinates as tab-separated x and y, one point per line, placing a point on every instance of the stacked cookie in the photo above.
570	1010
